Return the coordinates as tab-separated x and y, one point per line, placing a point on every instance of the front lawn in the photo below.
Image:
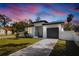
8	46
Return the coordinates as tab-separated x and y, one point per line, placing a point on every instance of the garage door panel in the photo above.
52	32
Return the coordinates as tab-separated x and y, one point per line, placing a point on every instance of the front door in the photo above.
39	31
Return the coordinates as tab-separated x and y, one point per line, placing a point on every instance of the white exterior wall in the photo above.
9	32
44	32
33	31
76	39
30	30
35	25
51	26
2	32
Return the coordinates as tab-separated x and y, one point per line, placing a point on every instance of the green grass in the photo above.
65	48
8	46
59	48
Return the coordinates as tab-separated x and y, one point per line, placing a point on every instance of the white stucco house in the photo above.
43	29
2	31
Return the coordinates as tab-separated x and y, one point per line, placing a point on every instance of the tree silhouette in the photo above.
70	17
4	20
69	25
30	21
19	27
38	18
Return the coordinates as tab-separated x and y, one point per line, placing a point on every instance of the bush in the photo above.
27	35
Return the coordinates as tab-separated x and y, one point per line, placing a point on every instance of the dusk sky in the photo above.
49	12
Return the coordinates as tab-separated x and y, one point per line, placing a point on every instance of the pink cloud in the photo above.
6	12
58	12
14	15
15	7
72	8
32	8
76	9
16	12
19	12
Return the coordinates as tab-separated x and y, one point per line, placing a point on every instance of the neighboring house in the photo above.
9	30
43	29
2	30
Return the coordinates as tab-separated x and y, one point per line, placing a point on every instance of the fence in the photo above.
69	35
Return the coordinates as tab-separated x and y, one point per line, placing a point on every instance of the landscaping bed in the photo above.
65	48
8	46
59	48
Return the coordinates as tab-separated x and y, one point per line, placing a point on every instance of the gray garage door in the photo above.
53	32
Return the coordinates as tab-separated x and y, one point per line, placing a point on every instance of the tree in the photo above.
38	18
69	18
76	28
19	26
30	21
69	25
4	20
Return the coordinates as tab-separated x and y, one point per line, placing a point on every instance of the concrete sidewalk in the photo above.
41	48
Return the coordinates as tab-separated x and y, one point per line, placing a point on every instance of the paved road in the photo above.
41	48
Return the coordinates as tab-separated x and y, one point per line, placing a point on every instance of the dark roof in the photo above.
40	21
46	23
29	25
53	23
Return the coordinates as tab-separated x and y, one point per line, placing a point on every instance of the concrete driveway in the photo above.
41	48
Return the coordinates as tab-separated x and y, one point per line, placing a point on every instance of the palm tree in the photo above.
70	17
69	25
